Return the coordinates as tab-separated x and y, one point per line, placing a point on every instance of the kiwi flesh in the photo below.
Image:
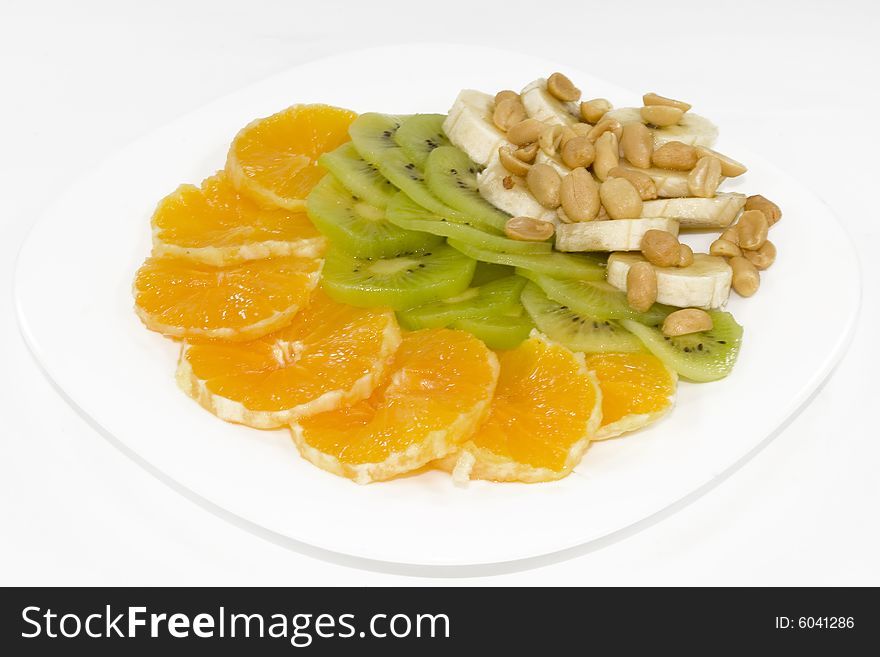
419	135
701	357
582	267
400	281
357	175
358	227
499	331
575	331
495	298
486	272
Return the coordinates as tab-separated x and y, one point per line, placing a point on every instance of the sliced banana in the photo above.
543	158
541	105
693	129
610	235
704	284
670	184
516	201
717	212
469	125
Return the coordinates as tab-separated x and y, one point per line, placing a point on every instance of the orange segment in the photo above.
275	160
637	389
216	225
438	389
331	355
183	299
547	407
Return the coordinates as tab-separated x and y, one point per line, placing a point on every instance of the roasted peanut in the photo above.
730	235
620	199
544	184
525	132
637	144
675	155
562	88
581	129
686	321
579	195
512	163
746	278
763	257
607	155
592	111
705	177
528	229
751	230
578	152
508	182
768	207
564	218
505	94
527	153
508	113
661	115
605	125
567	133
550	139
641	181
661	248
724	248
641	286
730	168
655	99
686	256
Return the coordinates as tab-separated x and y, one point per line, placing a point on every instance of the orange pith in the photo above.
183	299
437	390
636	390
275	160
330	355
216	225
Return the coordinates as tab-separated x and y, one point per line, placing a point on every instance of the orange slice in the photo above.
331	355
547	408
438	390
183	299
275	160
216	225
637	389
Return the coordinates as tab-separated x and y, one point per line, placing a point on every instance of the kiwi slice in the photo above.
373	135
404	212
704	356
452	177
490	299
486	272
404	280
357	175
583	267
419	135
358	227
575	331
595	299
499	331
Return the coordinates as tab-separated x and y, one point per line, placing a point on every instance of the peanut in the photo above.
645	185
607	155
505	94
751	229
512	163
724	248
661	115
579	195
746	278
592	111
641	286
768	207
581	129
527	153
508	182
686	256
637	144
550	138
661	248
654	99
567	133
544	183
675	155
578	152
705	177
730	168
620	199
528	229
525	132
562	88
508	113
763	257
605	125
687	321
730	235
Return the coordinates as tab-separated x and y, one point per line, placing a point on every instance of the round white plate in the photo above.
73	290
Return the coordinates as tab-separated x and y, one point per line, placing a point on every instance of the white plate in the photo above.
73	289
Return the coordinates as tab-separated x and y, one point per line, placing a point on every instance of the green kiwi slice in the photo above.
358	227
493	298
701	357
573	266
419	135
404	212
404	280
575	331
357	175
452	177
498	331
486	272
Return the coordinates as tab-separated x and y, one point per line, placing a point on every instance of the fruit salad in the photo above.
483	292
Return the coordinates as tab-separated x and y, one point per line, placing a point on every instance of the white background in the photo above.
793	81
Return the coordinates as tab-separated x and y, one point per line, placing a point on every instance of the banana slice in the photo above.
610	235
541	105
717	212
704	284
670	184
693	129
543	158
469	125
516	201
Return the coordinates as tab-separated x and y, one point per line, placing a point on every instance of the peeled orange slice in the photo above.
637	389
183	299
437	391
216	225
331	355
547	408
275	160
